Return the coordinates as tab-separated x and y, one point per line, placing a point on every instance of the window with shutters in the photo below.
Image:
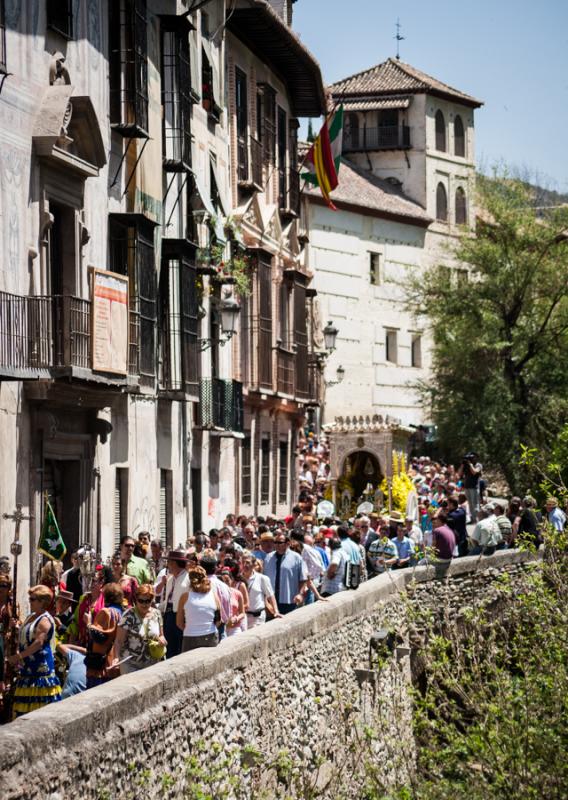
241	100
246	339
265	470
284	315
59	15
132	253
246	493
264	277
128	67
441	203
268	122
459	137
283	472
179	323
301	336
461	207
391	346
440	132
166	528
416	350
282	161
2	38
120	505
176	97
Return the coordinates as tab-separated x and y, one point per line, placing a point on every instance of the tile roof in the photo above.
359	187
394	76
365	104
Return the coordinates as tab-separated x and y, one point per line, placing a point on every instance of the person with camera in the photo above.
470	474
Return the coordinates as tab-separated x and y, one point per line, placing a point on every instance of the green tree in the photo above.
500	336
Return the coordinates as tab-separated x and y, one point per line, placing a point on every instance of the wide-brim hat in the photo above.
266	537
396	517
177	555
65	595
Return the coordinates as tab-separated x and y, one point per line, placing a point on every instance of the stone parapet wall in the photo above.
281	686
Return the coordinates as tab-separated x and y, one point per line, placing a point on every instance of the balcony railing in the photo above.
242	160
289	190
249	162
221	404
38	334
256	162
315	383
386	137
286	371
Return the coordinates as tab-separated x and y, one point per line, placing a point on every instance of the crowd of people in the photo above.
146	605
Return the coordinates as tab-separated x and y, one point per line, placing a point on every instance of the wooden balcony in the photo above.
47	336
386	137
286	366
289	192
221	405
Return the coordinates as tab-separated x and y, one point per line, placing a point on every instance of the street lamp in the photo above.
230	310
329	336
340	374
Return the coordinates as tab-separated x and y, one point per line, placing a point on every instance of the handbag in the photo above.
156	649
352	575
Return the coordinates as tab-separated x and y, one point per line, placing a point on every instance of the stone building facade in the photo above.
406	191
118	170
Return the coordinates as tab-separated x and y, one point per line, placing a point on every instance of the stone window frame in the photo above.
441	135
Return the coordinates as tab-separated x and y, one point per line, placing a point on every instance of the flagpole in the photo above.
328	116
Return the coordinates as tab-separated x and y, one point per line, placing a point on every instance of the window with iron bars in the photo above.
176	99
179	345
282	152
59	15
265	470
241	100
246	489
283	472
2	38
132	253
128	67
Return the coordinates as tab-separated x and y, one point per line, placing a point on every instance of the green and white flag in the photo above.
51	542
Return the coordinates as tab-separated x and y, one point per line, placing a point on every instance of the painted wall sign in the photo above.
109	317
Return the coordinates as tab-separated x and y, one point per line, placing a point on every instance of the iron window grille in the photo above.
132	253
179	319
128	67
246	485
283	473
2	38
60	17
176	94
265	470
264	277
301	335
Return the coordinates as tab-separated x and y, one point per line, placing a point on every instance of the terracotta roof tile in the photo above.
371	104
394	76
359	187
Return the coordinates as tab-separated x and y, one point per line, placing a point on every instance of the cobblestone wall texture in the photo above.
285	685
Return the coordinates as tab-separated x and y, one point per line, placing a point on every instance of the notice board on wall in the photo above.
109	321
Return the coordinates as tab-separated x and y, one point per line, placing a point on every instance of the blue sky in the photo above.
512	54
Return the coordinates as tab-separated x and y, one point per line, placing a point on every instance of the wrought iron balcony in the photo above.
40	335
289	191
249	163
385	137
221	404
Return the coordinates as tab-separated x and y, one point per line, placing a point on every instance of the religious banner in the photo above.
109	317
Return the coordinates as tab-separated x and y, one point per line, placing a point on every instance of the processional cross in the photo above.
16	547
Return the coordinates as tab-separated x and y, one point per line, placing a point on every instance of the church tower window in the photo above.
440	132
441	203
461	207
459	137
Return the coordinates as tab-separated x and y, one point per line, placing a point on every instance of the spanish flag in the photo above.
324	157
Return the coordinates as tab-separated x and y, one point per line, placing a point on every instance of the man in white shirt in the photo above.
261	595
175	584
313	561
305	475
486	536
